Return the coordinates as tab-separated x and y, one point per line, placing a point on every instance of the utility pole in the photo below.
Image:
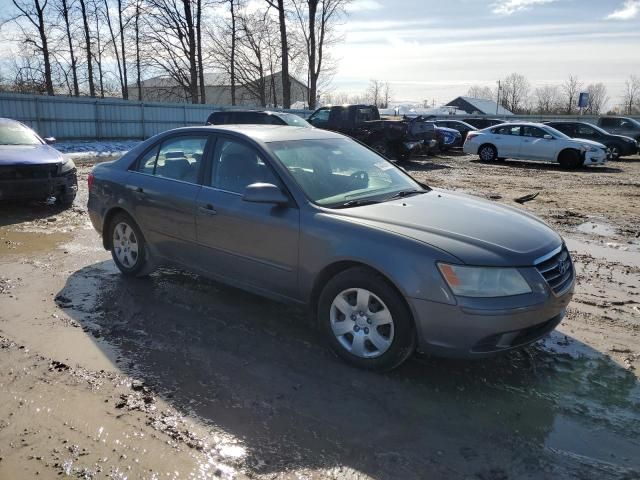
498	101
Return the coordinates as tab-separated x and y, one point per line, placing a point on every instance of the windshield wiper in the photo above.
356	203
406	193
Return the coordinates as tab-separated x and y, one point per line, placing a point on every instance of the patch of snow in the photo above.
95	148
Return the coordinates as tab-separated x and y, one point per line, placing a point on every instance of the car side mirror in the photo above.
49	140
264	193
548	137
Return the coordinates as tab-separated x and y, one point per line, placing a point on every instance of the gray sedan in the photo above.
385	263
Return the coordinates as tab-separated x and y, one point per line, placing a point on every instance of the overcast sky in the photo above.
436	49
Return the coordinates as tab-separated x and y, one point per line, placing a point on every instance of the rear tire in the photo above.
382	148
570	159
365	320
128	246
487	153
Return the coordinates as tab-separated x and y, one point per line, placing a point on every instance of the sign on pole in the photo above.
583	100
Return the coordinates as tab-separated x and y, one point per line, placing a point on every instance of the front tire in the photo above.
613	152
570	159
365	320
66	200
128	247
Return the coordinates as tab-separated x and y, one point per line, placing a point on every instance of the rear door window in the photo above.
508	130
536	132
177	158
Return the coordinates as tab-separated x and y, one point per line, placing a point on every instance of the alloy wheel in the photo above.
362	323
487	154
125	245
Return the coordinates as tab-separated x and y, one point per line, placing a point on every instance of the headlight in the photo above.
483	281
67	166
594	149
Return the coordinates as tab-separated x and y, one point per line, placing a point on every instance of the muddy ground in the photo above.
175	376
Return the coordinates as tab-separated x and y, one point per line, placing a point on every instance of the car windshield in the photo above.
555	133
294	120
16	134
339	172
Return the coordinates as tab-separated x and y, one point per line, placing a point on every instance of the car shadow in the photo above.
15	212
526	165
259	371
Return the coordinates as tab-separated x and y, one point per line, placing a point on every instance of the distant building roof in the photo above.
478	105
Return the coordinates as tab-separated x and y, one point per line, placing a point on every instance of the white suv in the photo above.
533	141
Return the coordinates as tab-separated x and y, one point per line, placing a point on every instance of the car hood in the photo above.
476	231
29	155
588	142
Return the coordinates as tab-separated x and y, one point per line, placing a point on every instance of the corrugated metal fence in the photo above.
69	118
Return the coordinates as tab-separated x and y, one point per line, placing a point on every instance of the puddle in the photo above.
12	242
597	228
629	256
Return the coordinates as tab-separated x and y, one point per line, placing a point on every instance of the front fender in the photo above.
410	265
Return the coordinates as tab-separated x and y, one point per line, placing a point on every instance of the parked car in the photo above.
448	138
391	138
629	127
617	145
459	125
32	170
534	141
385	263
482	122
260	117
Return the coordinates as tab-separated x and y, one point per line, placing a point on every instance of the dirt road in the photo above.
175	376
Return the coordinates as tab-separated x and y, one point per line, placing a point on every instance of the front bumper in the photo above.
36	185
595	158
479	328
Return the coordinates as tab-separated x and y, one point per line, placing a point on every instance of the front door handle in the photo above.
207	209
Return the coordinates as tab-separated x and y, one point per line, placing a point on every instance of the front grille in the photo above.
557	271
28	172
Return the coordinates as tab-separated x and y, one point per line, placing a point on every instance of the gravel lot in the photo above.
175	376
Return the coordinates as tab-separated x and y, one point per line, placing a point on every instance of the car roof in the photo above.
9	121
269	133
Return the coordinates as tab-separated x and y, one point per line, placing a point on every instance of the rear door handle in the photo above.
207	209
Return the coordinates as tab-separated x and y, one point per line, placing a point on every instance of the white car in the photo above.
533	141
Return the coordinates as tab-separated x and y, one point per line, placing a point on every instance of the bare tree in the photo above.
317	19
386	95
279	5
571	88
547	99
34	13
114	44
598	98
374	92
515	93
64	8
87	48
477	91
631	95
136	29
171	31
258	55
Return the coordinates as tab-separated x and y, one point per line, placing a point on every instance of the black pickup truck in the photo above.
395	139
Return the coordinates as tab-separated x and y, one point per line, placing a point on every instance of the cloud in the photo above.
629	9
362	5
509	7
